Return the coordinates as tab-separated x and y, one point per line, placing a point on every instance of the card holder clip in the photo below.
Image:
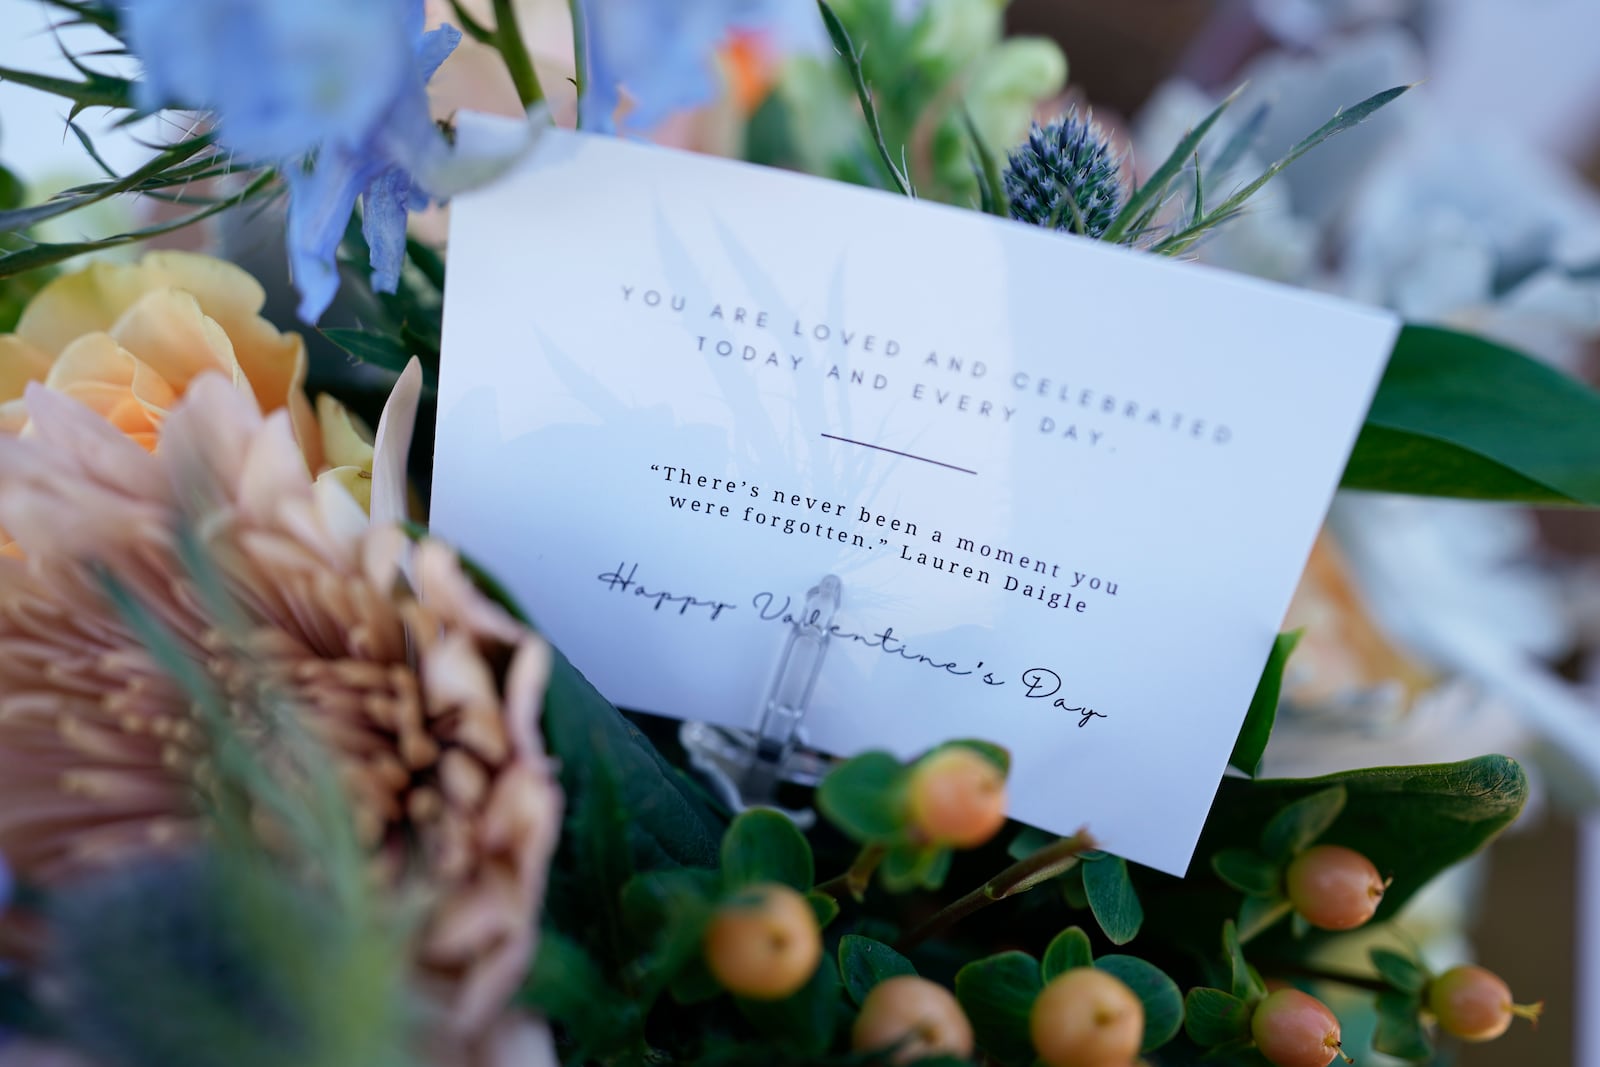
746	768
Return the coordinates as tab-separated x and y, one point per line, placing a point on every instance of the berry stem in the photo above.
1290	969
1047	863
855	880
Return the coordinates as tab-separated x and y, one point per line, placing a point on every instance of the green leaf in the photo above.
997	993
1112	898
804	1022
1244	981
907	866
1257	729
1459	416
1258	914
825	907
863	963
1248	871
1068	949
667	822
96	90
1150	193
1028	841
379	349
1302	822
1163	1003
1399	1032
565	985
667	912
1345	119
1411	822
990	183
1404	974
864	797
1213	1017
762	845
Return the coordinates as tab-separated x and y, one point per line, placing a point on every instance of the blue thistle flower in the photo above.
1066	176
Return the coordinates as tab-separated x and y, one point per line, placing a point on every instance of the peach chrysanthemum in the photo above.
425	693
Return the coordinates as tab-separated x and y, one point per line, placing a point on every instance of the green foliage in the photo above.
1399	1031
1411	822
997	993
858	79
1112	898
1068	949
863	963
1159	995
805	1022
1252	740
928	68
1406	975
1213	1017
1299	824
1248	871
1459	416
865	797
762	845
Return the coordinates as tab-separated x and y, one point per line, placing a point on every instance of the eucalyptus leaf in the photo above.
1213	1017
863	963
1257	729
763	845
1068	949
1112	898
997	993
1162	1000
1459	416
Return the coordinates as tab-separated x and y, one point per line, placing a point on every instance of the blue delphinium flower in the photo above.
1067	176
660	52
331	92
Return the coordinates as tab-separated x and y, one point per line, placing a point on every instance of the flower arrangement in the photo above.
285	779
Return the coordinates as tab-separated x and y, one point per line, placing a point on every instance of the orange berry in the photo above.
914	1017
1086	1018
1294	1029
764	943
1475	1004
1334	888
957	798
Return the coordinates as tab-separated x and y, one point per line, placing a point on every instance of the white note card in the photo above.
1068	488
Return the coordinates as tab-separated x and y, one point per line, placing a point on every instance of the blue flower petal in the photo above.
320	203
660	52
383	223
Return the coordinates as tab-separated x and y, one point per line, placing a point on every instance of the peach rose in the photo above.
127	339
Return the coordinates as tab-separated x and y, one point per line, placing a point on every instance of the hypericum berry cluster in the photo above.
1066	176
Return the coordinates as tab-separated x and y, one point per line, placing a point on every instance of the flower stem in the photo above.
580	53
1289	969
855	880
1047	863
514	50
